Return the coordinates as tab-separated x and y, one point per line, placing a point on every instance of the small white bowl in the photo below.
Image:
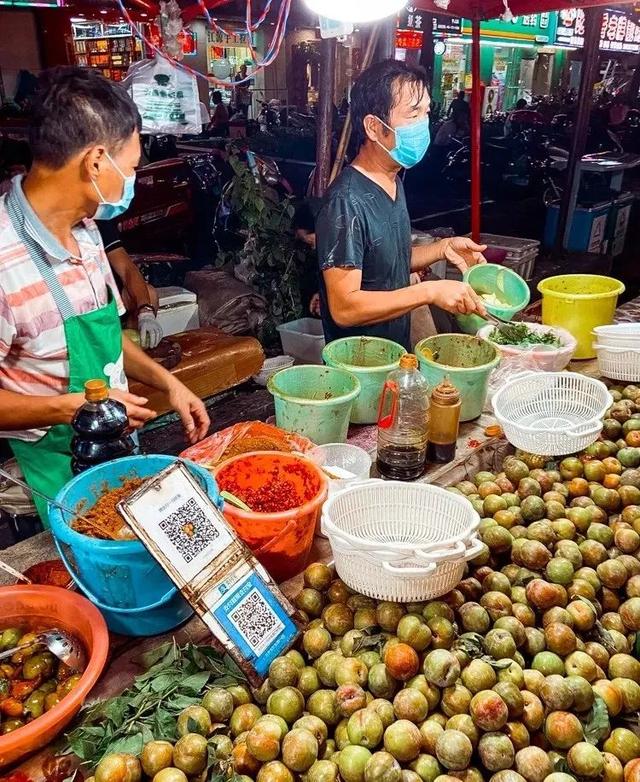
271	366
542	357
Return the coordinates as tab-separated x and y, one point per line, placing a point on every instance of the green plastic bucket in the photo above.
501	281
370	359
315	401
466	361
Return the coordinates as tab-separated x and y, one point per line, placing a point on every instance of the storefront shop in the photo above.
518	60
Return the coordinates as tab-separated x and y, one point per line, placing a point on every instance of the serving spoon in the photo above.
62	645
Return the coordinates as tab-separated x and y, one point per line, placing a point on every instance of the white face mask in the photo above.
107	210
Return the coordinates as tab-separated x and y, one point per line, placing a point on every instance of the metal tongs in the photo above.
504	326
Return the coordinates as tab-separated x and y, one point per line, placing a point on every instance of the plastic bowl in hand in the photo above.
45	607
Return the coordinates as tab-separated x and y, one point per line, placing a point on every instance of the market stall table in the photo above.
475	451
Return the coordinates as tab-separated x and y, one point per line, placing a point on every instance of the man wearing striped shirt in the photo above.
59	304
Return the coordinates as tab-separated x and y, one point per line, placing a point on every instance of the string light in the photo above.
272	50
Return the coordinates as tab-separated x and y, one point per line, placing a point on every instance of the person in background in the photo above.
363	230
242	92
59	305
460	107
139	298
220	119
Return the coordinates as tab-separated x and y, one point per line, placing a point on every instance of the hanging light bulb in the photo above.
355	10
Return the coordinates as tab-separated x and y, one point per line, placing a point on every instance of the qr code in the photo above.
256	621
189	530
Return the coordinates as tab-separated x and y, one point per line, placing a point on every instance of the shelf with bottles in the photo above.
110	48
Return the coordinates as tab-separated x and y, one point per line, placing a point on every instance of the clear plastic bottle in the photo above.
101	429
403	423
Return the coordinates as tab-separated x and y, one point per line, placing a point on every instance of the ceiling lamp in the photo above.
356	10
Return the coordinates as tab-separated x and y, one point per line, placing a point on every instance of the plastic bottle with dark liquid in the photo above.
444	423
101	429
403	423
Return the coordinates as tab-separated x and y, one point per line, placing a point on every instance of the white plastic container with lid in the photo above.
178	310
303	339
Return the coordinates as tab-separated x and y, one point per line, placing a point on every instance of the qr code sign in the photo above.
189	530
256	621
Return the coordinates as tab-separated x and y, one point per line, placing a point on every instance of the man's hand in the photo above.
314	305
137	411
462	252
149	328
456	297
191	410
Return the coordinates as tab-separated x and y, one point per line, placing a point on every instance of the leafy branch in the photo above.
175	678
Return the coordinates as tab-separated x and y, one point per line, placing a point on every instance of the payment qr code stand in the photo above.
216	573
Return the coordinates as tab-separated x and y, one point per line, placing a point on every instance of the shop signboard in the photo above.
412	18
620	30
536	28
409	39
446	25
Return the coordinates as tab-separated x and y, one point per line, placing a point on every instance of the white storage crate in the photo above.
522	254
303	339
178	310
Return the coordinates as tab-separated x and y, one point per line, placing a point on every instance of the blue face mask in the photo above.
107	210
412	142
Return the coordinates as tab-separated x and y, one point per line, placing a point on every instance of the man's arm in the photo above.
19	412
191	409
129	274
351	306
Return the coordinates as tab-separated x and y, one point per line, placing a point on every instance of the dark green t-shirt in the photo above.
361	227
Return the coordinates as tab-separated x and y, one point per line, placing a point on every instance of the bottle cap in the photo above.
445	394
408	361
96	390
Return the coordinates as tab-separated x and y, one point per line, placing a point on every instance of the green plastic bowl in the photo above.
505	284
370	359
465	361
314	401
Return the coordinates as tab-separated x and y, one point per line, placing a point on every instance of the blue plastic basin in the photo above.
120	577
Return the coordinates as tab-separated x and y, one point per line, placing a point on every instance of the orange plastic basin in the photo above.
280	541
42	607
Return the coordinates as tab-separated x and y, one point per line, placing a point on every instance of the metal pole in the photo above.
590	61
476	131
328	49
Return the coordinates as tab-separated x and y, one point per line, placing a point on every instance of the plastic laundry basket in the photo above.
580	303
552	413
400	541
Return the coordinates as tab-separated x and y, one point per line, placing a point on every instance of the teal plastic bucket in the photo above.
503	283
370	359
120	577
466	361
315	401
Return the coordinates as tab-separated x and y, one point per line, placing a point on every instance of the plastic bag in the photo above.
166	96
209	452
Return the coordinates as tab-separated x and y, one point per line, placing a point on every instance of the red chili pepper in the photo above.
474	443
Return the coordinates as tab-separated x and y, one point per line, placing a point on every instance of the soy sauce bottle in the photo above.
101	429
403	423
444	423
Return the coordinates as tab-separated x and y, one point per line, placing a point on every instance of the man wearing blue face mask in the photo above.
363	230
59	305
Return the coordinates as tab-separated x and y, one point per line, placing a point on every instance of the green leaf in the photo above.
597	725
130	744
163	682
159	654
195	683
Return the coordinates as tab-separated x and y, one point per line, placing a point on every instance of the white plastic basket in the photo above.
619	363
271	366
554	413
618	335
401	542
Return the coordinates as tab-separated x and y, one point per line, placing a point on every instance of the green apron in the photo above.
94	346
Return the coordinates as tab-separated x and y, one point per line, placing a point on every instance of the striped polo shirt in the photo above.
33	351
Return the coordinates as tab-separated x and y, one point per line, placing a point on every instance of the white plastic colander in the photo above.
554	413
401	542
619	363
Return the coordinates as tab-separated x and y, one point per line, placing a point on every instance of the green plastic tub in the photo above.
315	401
466	361
505	284
370	359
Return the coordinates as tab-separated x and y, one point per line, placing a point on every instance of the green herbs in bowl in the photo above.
520	335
